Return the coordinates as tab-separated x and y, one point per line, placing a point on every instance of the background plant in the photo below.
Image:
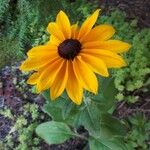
24	129
22	22
138	135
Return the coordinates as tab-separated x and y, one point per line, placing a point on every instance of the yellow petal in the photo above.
74	88
44	50
74	31
112	60
33	78
64	24
60	81
48	74
35	63
96	64
54	30
99	33
88	24
111	45
85	75
53	41
115	46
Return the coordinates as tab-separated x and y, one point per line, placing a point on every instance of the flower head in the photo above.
73	56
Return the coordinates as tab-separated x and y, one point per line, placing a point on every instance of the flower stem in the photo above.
80	136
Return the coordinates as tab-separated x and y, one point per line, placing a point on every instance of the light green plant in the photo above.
133	77
138	135
23	128
6	112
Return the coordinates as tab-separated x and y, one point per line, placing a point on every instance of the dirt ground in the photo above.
139	9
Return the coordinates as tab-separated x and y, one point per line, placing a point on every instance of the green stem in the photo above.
81	137
78	135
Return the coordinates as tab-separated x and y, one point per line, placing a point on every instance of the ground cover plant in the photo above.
132	84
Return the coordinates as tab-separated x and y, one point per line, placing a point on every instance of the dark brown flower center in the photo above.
69	48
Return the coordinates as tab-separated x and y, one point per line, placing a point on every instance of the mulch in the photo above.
139	9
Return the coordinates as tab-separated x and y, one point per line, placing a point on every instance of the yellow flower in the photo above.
73	55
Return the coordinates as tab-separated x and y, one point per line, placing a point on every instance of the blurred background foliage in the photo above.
23	21
23	25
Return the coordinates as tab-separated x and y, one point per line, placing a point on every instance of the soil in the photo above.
139	9
11	97
124	110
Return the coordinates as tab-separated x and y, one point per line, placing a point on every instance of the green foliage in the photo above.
63	109
113	144
92	115
138	134
24	129
79	10
23	23
4	6
6	113
8	52
130	79
14	23
54	132
116	128
133	77
19	24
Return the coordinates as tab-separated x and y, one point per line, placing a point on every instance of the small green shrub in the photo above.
9	51
138	134
130	79
22	23
24	128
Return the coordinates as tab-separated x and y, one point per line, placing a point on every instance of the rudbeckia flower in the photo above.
73	56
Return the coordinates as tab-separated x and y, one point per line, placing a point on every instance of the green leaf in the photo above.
59	102
67	109
61	109
89	117
98	124
109	144
54	132
46	95
108	86
104	100
52	111
111	126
